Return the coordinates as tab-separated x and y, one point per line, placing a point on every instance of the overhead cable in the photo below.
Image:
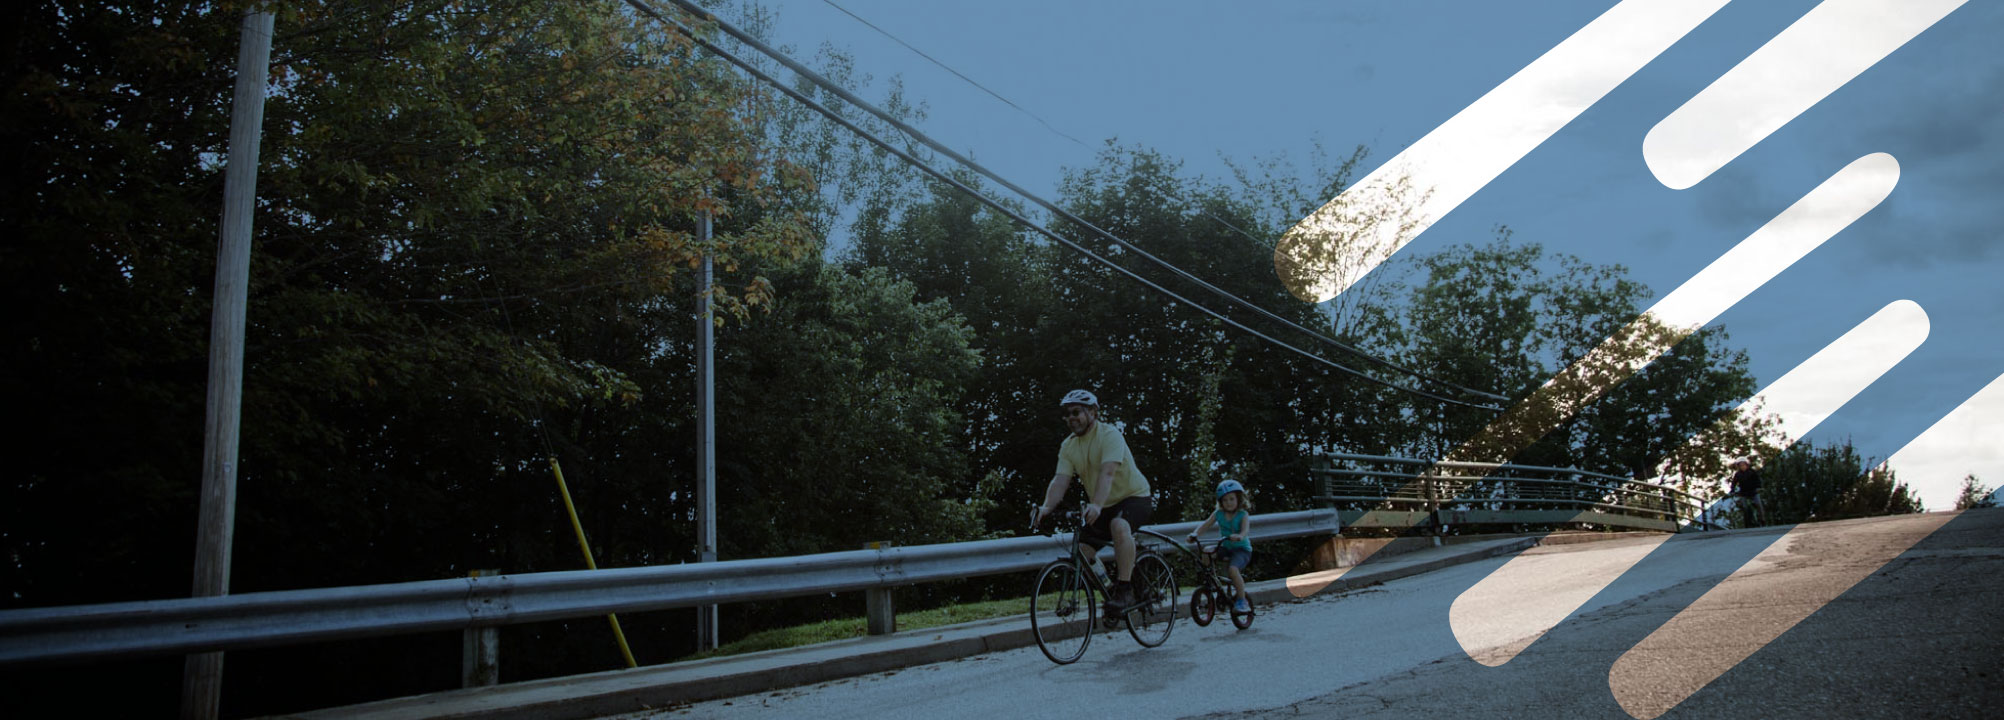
936	146
1040	120
995	204
1164	194
956	73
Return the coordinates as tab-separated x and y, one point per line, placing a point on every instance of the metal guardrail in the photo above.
156	627
1404	492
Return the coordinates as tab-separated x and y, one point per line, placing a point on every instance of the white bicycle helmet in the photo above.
1079	397
1228	487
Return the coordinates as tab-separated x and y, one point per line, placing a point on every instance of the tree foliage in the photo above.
1199	401
1974	495
1833	482
1565	339
474	235
475	231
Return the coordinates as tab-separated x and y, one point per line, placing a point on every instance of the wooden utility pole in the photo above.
202	680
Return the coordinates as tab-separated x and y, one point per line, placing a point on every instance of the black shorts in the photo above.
1135	510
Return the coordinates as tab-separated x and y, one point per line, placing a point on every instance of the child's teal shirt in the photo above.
1229	526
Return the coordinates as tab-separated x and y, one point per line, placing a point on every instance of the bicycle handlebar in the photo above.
1071	518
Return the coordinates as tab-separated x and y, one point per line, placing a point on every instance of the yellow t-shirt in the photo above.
1081	455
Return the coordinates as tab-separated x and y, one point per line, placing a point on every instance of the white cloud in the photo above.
1835	42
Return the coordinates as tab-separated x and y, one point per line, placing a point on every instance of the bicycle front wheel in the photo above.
1154	615
1061	612
1203	606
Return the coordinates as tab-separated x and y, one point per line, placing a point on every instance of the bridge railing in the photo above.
186	625
1380	491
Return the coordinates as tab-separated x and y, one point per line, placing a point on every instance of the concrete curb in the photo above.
1308	585
665	686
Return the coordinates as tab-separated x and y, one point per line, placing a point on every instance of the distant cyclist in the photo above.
1746	491
1118	499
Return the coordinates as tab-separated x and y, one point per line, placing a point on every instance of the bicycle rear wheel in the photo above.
1061	612
1241	620
1151	619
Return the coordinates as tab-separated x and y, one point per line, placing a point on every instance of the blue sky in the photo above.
1202	79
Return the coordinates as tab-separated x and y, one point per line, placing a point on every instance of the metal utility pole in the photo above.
202	679
706	435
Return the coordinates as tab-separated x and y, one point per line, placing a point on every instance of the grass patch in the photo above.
844	628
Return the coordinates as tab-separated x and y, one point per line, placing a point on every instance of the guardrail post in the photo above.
1432	504
877	609
1324	482
480	658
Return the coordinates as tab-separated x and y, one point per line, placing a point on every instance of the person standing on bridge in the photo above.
1118	499
1746	491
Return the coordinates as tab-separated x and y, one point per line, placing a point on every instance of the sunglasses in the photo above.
1073	412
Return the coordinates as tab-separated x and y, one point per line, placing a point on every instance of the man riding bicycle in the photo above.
1118	498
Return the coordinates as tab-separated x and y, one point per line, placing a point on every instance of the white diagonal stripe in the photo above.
1964	442
1803	227
1509	609
1468	151
1825	211
1815	389
1498	618
1835	42
1742	614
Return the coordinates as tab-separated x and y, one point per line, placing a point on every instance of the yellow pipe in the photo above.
565	491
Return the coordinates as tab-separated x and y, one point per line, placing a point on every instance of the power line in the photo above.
956	73
915	134
976	194
1054	209
1040	120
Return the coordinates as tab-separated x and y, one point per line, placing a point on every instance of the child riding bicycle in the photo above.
1233	519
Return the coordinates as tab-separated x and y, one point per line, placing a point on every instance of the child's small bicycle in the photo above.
1213	594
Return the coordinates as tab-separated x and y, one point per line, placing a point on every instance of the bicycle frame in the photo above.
1200	561
1208	578
1207	566
1075	519
1156	594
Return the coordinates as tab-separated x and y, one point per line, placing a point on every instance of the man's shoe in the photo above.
1120	597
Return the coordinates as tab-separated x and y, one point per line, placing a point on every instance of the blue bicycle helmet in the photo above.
1230	486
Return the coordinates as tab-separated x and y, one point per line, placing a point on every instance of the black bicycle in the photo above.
1064	600
1213	593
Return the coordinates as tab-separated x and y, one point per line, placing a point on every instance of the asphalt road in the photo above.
1890	617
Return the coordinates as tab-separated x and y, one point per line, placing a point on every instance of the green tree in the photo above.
1702	465
1974	495
1686	391
1563	337
838	415
952	249
1833	482
1275	407
474	232
458	207
1476	321
1197	398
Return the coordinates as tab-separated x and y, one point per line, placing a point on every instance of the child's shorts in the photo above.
1235	557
